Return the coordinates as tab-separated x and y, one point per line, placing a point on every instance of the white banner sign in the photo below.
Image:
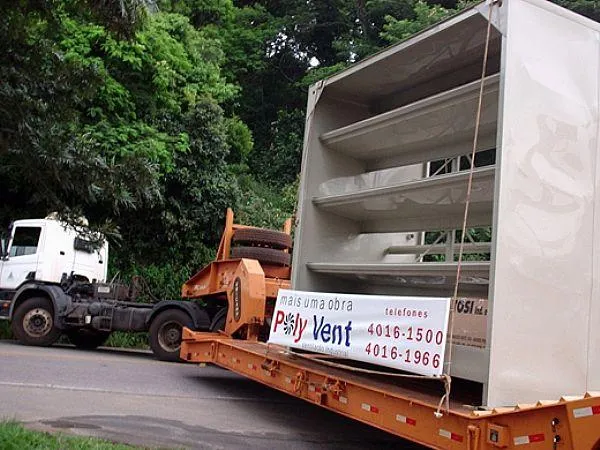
407	333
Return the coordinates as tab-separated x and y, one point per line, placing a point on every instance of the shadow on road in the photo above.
310	423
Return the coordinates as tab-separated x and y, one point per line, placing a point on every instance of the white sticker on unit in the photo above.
407	333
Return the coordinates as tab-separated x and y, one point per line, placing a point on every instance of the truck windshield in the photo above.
25	241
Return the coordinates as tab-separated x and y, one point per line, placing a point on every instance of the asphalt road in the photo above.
130	397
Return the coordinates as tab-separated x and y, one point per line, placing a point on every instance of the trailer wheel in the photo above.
33	322
165	333
267	238
263	255
87	339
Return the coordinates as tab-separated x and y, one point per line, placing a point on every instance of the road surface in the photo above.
130	397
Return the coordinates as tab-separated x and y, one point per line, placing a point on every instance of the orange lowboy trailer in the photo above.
407	407
501	89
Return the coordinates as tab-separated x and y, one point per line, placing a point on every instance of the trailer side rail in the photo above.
567	423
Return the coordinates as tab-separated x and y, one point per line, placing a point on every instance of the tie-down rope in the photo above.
446	396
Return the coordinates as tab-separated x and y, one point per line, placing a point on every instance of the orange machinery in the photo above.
244	281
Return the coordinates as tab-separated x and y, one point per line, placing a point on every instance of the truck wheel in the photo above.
267	238
87	339
33	322
263	255
165	334
218	322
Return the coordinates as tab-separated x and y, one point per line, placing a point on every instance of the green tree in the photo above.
588	8
48	159
197	192
425	15
116	126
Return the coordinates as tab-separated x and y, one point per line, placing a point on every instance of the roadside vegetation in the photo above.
14	436
120	339
5	332
117	339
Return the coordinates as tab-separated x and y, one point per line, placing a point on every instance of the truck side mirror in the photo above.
4	240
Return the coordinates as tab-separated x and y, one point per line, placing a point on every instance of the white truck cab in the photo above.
52	283
44	250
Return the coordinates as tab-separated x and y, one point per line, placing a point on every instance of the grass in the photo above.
121	339
14	436
5	332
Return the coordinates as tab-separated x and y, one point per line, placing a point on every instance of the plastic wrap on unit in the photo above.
369	180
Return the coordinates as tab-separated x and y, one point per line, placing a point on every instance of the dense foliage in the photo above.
151	117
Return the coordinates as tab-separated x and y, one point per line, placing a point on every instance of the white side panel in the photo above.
318	164
593	379
545	199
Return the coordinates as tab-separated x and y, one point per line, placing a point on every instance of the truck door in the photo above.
22	259
88	260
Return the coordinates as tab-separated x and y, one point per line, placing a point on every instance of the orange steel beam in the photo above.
218	277
225	244
564	424
272	286
287	226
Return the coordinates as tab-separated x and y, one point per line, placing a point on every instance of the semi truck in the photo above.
487	121
53	283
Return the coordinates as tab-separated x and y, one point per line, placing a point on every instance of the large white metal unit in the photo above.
368	194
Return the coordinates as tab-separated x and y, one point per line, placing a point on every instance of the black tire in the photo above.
33	322
87	339
260	237
263	255
218	322
165	334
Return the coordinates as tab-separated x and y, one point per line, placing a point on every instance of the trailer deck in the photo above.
407	407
